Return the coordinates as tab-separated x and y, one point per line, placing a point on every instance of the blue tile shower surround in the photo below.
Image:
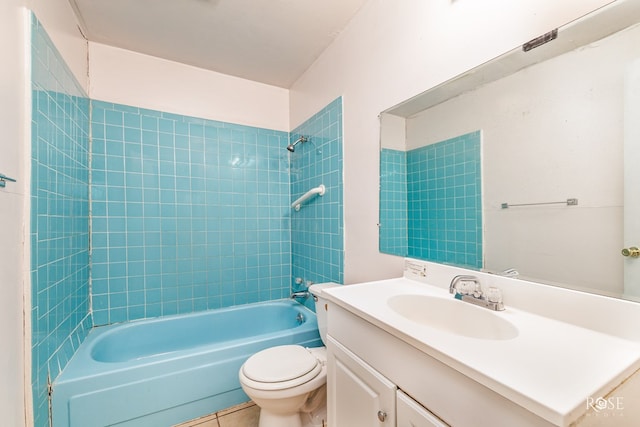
59	216
393	202
444	199
187	214
317	242
182	214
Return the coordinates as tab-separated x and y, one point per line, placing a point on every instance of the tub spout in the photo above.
300	294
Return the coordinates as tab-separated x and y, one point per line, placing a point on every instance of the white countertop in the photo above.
551	368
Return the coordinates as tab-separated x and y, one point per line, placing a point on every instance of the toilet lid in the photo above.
290	363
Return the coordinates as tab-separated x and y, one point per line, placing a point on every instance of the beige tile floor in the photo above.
243	415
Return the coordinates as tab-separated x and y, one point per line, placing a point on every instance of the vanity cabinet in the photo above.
372	373
357	394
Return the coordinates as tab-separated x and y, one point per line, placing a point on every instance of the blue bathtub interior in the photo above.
164	371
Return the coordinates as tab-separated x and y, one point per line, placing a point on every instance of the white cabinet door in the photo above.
412	414
358	396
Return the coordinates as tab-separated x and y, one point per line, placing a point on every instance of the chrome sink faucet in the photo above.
471	291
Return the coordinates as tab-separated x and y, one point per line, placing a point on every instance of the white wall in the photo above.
125	77
12	200
549	132
15	309
393	50
393	132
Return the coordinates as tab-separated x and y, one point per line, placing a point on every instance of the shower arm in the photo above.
292	147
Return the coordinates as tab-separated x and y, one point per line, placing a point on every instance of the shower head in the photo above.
292	147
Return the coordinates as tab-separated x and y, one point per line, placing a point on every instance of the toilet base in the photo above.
317	418
268	419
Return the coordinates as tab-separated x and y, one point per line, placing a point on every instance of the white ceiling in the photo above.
268	41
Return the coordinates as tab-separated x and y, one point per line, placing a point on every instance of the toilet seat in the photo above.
281	367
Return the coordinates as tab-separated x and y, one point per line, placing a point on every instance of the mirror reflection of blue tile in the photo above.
435	191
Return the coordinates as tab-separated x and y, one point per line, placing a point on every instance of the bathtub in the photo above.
163	371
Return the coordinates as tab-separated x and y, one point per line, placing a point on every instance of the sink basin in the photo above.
453	316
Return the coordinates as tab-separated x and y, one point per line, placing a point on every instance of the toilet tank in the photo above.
321	307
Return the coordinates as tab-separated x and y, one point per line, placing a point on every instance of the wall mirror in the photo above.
528	162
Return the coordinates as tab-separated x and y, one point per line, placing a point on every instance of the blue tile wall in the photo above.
187	214
59	216
317	243
393	202
444	200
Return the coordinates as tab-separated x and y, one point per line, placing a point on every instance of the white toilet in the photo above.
288	382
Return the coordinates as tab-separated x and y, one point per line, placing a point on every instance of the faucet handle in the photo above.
494	294
467	284
477	291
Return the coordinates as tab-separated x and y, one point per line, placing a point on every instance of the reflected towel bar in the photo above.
319	190
568	202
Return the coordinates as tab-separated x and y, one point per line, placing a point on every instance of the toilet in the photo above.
288	382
